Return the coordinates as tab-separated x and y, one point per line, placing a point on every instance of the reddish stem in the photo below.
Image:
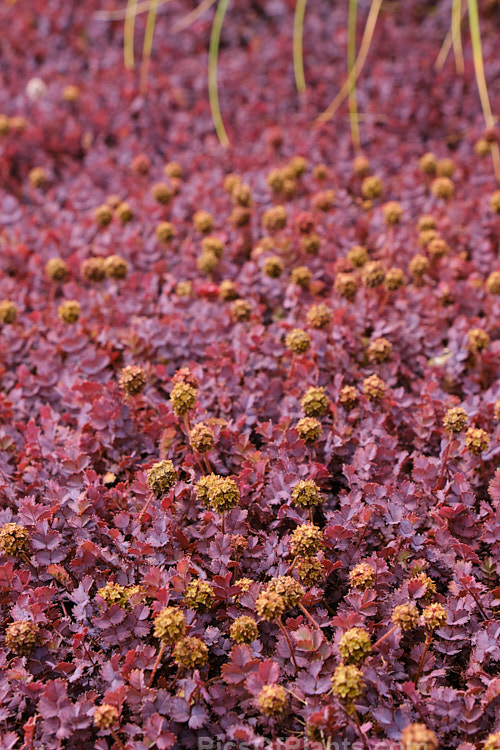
28	562
383	299
363	533
310	618
283	630
157	664
446	454
482	471
386	635
474	596
427	643
85	647
146	506
62	604
52	295
390	245
361	733
198	460
207	463
163	450
117	739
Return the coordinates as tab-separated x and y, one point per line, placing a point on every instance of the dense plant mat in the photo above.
249	396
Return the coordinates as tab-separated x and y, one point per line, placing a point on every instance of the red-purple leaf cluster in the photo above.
327	344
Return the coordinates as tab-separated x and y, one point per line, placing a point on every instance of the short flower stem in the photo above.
427	643
483	378
482	471
26	559
187	424
292	366
383	299
310	617
474	596
57	633
311	520
163	447
52	295
211	680
446	454
386	635
62	604
207	463
363	533
358	725
287	637
292	566
146	506
223	522
390	246
117	739
86	649
157	664
199	462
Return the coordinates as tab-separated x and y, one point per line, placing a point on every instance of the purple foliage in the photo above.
415	504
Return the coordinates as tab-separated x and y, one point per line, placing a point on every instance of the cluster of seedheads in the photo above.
265	605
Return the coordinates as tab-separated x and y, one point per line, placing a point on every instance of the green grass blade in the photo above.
194	15
351	61
364	48
444	51
456	35
148	44
298	50
448	40
123	13
128	34
213	57
477	53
